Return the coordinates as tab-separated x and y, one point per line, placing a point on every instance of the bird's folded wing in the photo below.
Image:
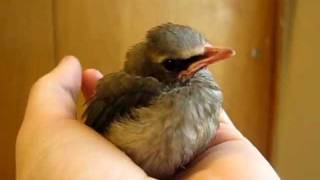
117	95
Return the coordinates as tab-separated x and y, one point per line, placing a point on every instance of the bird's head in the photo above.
173	53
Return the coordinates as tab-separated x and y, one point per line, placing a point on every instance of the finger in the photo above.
224	118
226	132
54	95
68	75
90	78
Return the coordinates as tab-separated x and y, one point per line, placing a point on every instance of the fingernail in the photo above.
95	71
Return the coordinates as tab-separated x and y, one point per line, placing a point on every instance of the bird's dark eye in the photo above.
171	64
180	64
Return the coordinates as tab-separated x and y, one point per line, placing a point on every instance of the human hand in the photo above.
230	156
52	144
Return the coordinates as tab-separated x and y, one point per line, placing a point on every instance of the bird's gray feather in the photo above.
174	129
116	95
172	38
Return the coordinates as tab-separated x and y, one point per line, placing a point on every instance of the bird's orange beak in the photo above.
210	55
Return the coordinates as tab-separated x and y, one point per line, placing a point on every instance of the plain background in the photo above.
271	87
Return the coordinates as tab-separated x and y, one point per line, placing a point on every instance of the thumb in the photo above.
54	95
68	75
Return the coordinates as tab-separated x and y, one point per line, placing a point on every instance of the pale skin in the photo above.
52	144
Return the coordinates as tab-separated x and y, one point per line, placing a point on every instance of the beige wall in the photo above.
296	145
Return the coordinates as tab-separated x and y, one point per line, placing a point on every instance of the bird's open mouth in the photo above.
210	55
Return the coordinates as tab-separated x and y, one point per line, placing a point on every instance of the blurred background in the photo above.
271	87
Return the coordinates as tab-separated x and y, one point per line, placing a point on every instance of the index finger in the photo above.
90	78
226	132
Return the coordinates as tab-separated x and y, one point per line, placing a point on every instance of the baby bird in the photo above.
162	108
